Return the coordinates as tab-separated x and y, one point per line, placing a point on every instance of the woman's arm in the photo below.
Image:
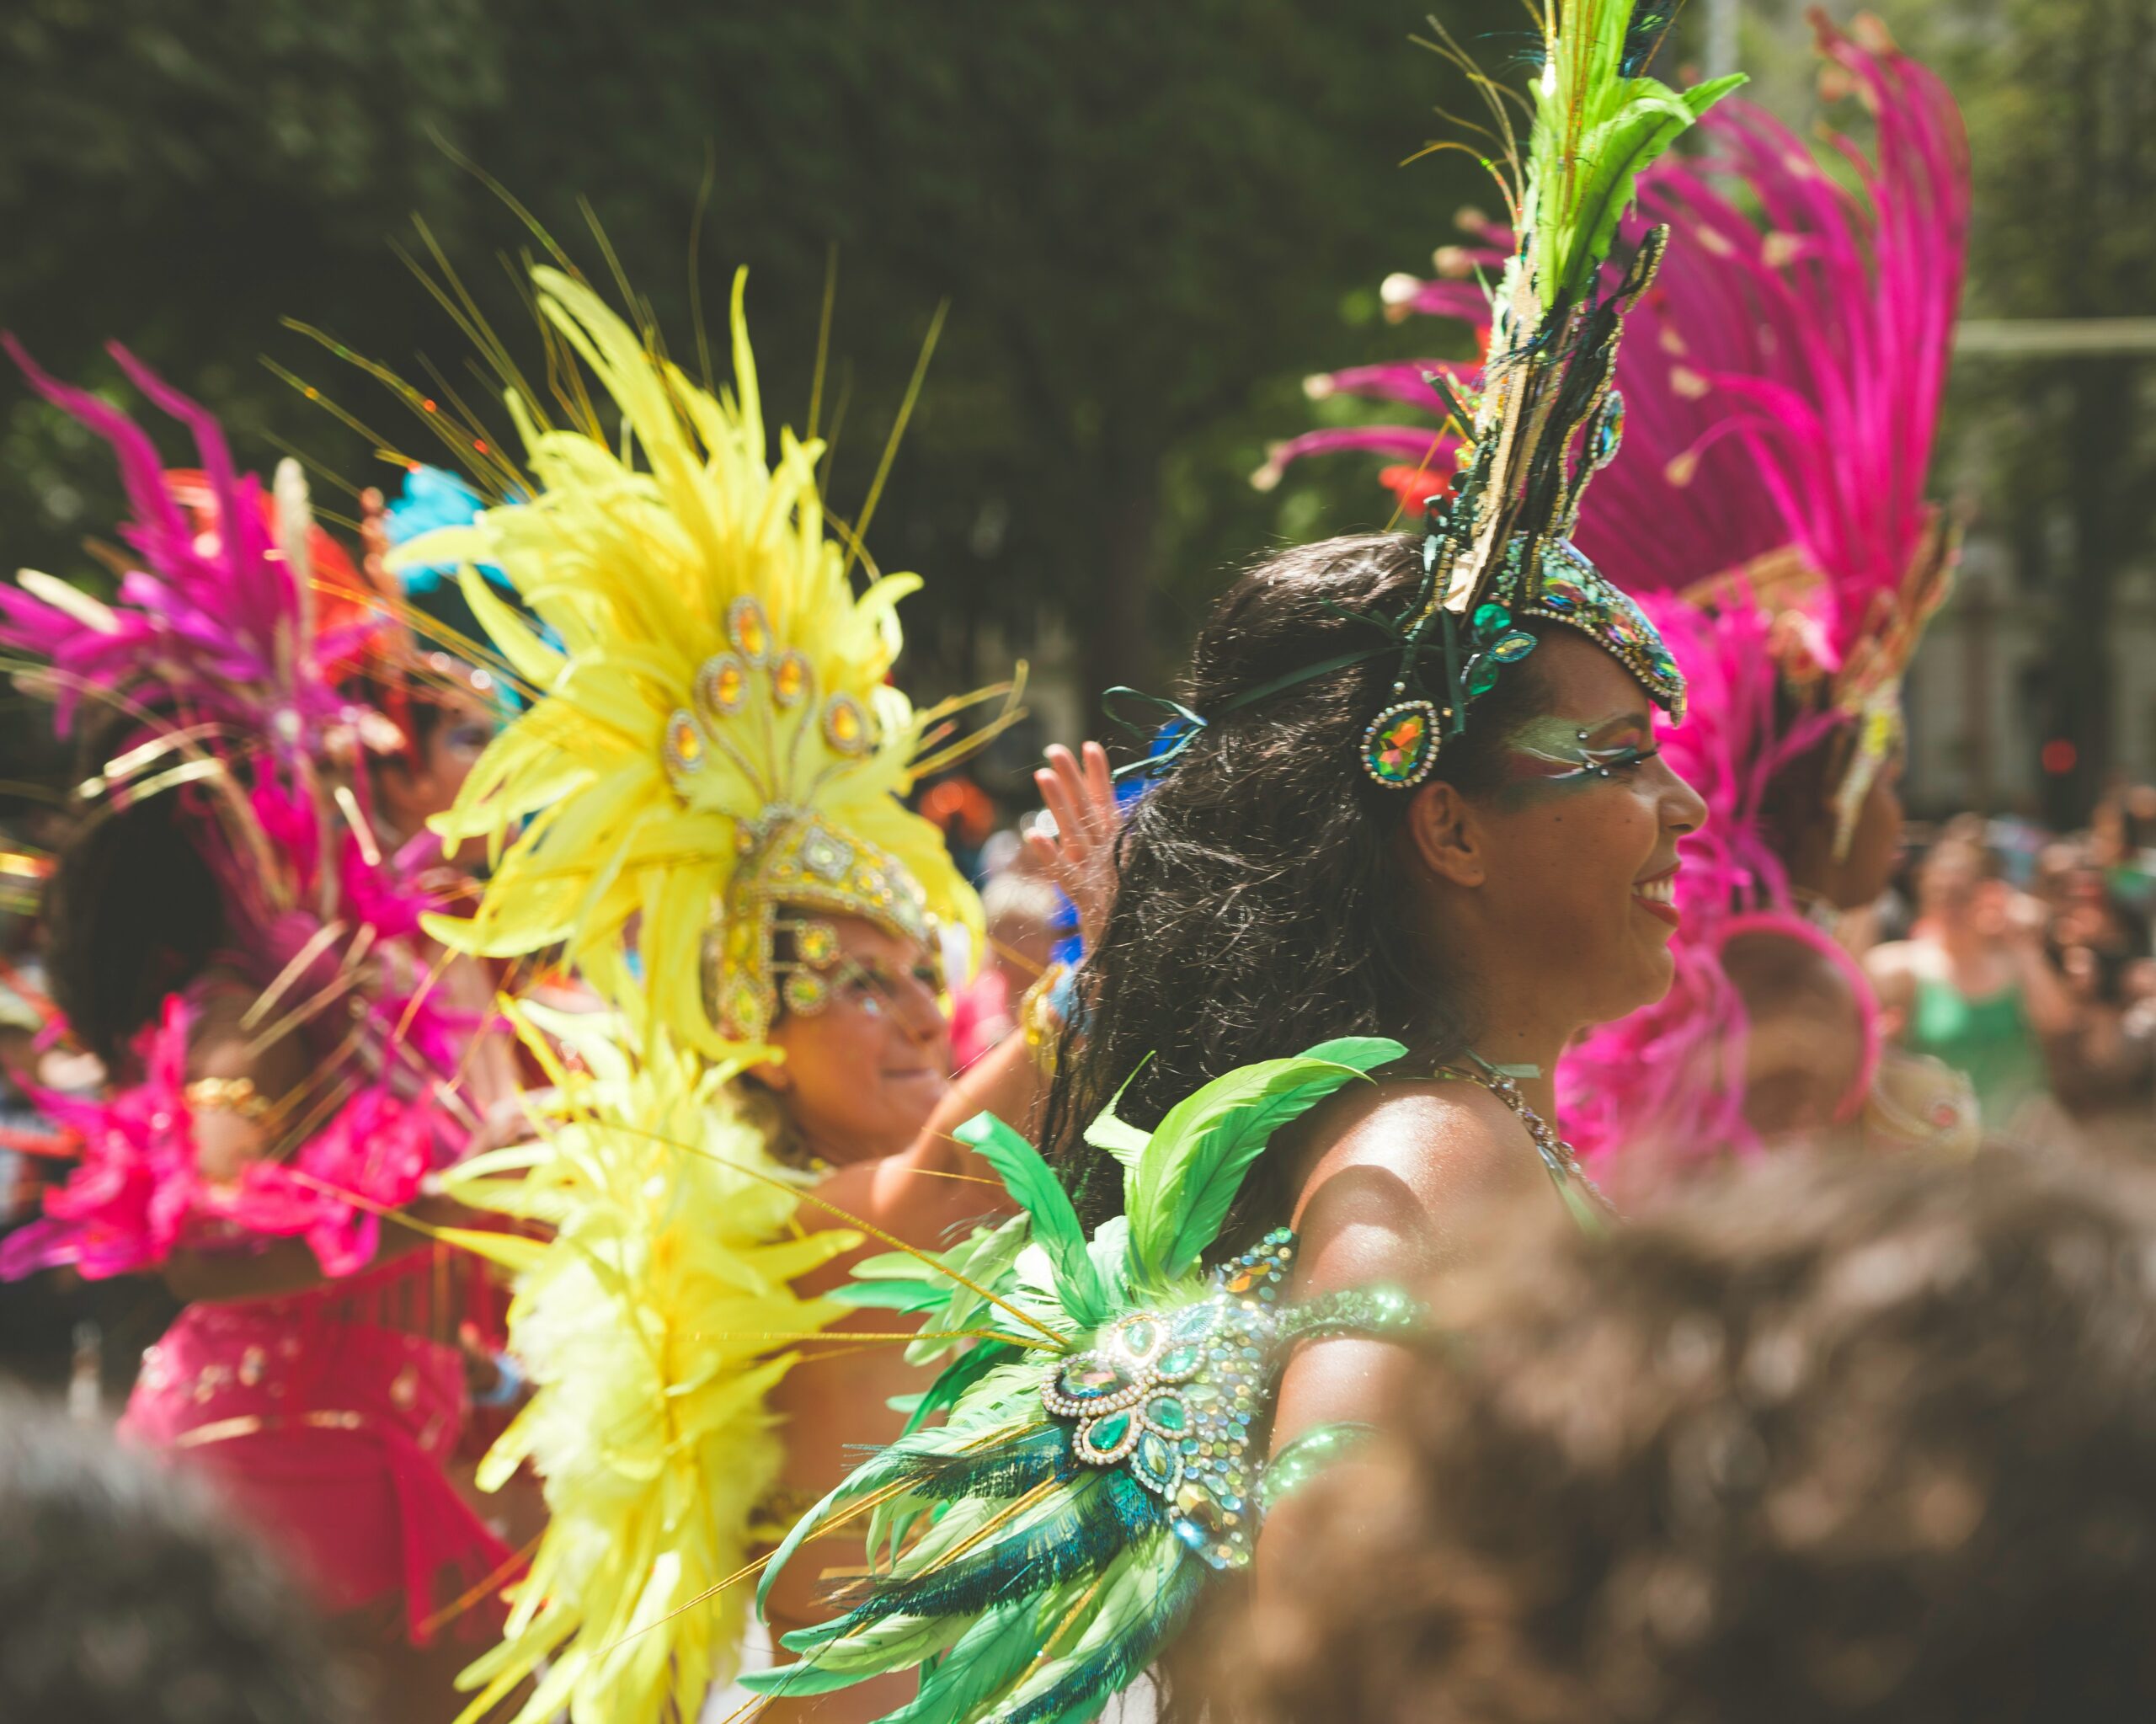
1400	1185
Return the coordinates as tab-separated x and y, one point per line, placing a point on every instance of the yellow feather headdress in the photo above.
713	745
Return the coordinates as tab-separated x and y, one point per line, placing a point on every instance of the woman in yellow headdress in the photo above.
701	807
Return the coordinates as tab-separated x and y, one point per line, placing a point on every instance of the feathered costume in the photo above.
230	665
325	1417
1782	381
709	767
1102	1454
713	737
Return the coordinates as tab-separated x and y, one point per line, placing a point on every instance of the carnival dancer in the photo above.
233	935
701	807
1410	824
1782	385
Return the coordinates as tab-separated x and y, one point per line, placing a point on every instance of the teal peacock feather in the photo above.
1042	1544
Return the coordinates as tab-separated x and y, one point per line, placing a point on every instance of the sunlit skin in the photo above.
1530	899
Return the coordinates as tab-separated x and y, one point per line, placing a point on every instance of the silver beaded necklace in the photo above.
1558	1158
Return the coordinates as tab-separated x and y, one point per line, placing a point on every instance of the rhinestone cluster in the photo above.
721	687
1172	1398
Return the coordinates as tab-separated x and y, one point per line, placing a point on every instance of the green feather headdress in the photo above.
1498	553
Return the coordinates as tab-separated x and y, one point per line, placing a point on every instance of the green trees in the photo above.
1146	219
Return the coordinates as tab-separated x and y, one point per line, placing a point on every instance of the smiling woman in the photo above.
1409	833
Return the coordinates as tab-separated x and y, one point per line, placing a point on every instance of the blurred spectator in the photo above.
1972	987
127	1599
962	811
1854	1440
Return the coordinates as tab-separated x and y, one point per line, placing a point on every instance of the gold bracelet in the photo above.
226	1095
1038	1019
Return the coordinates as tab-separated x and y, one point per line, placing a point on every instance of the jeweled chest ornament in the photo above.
1171	1398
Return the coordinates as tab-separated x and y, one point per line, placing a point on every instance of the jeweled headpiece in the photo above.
711	749
1782	381
1543	416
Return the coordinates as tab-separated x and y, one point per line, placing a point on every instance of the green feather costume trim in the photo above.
1043	1543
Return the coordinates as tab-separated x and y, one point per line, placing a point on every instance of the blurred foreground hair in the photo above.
1854	1442
126	1598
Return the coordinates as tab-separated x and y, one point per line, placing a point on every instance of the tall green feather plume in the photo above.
1597	125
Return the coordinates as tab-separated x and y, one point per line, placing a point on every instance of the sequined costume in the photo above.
327	1418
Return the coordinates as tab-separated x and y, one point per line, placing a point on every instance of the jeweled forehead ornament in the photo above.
1498	554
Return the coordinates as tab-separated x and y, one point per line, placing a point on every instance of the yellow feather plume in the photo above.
646	1328
712	680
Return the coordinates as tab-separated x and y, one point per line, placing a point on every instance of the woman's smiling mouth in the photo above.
1657	897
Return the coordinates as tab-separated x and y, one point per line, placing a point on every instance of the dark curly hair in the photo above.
1858	1441
1258	905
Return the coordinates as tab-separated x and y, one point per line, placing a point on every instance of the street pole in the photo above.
1721	37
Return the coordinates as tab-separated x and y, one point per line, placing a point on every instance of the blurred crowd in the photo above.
2022	958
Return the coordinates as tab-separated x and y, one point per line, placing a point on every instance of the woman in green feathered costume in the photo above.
1417	838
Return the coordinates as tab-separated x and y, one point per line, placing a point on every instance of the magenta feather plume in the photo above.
209	647
1782	379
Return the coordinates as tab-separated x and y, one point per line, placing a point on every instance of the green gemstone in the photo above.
1179	1361
1154	1462
1139	1336
1165	1412
1483	676
1092	1378
1491	617
1104	1436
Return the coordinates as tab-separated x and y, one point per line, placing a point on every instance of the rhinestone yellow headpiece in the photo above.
712	740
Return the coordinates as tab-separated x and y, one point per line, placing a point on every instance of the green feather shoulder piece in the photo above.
1100	1456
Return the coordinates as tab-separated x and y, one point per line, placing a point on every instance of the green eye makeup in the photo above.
1559	750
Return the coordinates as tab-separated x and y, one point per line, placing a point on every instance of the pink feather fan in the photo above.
227	687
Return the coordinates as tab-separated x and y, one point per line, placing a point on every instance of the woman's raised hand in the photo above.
1078	852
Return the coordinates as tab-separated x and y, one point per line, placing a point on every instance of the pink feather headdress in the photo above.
215	654
1782	381
1782	378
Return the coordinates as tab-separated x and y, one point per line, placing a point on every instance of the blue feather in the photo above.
1008	1469
1116	1666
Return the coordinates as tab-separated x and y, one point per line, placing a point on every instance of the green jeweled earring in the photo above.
1400	745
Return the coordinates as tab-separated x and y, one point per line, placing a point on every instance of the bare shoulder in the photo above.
1396	1178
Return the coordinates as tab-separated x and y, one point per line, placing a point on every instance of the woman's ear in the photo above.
772	1075
1447	836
